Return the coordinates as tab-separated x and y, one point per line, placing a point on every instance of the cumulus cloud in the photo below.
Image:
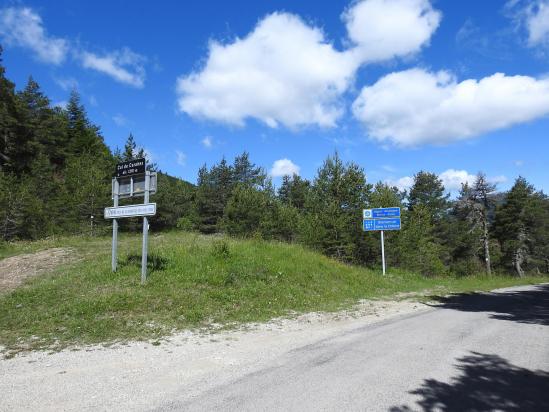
284	167
124	65
384	29
23	27
452	180
415	107
286	72
181	158
404	183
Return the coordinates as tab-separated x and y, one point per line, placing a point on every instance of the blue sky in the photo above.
396	86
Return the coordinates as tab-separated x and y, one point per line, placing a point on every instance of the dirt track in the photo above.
14	270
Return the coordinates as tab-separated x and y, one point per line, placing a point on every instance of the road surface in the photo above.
479	352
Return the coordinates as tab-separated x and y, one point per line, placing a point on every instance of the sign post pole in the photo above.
115	229
383	252
145	230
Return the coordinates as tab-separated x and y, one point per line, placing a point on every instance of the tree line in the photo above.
480	231
56	170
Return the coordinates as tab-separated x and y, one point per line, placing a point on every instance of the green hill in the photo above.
195	280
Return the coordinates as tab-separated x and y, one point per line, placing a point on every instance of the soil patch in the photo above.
16	269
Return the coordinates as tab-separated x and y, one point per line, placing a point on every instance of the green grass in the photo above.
195	281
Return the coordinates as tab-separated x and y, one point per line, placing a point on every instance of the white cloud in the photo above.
518	163
284	167
533	15
415	107
537	23
23	27
123	65
404	183
120	120
207	142
452	179
286	72
384	29
181	158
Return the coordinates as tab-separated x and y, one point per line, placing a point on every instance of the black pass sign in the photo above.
130	168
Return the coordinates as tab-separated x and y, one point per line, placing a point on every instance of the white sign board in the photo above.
148	209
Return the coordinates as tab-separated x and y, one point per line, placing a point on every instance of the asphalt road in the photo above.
486	352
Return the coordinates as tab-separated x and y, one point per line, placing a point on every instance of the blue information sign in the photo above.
381	213
382	224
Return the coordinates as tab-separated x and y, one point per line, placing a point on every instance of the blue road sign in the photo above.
381	224
381	213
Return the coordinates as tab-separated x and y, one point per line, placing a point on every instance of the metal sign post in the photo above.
383	252
114	227
145	230
381	219
132	179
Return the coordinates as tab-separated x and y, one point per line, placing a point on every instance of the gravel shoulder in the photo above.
140	376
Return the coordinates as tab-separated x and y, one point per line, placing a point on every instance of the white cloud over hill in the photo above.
415	107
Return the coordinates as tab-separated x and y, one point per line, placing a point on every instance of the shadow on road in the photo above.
486	383
530	306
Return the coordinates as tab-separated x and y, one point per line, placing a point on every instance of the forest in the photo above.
56	171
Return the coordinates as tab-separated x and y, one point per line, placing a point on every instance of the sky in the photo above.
396	86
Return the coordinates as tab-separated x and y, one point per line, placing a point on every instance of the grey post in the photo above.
114	228
383	252
145	230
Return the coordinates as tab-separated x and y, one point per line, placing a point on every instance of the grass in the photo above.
195	281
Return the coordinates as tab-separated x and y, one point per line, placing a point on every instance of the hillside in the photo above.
195	281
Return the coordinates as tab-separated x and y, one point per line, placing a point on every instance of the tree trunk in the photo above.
486	244
518	262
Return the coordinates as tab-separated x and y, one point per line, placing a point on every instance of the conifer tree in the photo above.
8	122
515	225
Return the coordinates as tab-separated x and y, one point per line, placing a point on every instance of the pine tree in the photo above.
130	149
213	192
334	210
514	225
84	137
245	211
428	191
246	173
474	205
294	191
417	245
8	122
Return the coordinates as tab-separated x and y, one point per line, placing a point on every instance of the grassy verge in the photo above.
194	281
